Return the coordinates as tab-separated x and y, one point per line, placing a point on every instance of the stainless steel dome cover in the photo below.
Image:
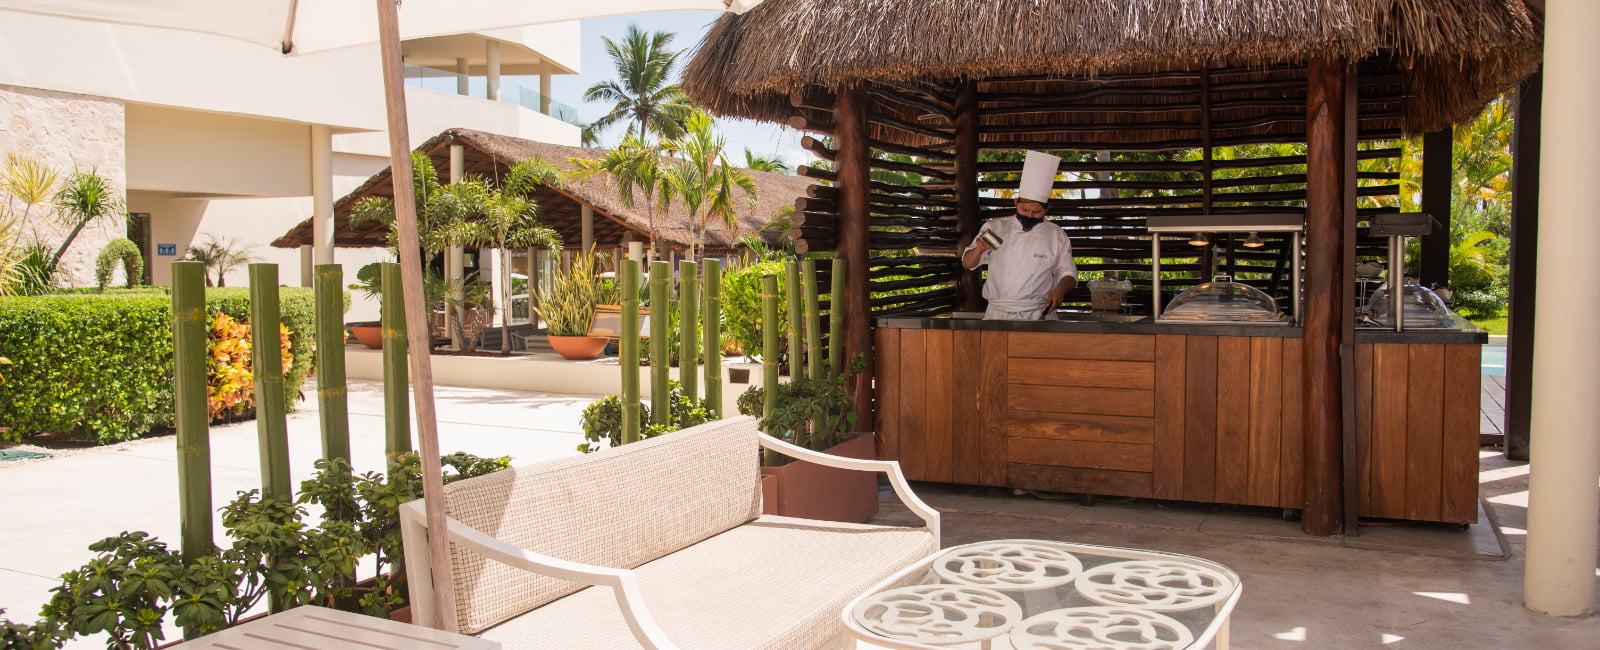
1423	308
1224	301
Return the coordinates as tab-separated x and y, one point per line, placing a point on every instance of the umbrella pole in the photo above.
416	326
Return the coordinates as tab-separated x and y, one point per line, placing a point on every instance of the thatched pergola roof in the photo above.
1434	62
491	155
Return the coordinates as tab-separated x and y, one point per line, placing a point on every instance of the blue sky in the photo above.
689	26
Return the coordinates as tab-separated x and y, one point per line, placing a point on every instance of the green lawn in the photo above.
1496	325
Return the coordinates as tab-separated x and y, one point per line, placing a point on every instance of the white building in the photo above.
216	138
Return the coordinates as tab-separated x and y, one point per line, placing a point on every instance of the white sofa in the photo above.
670	533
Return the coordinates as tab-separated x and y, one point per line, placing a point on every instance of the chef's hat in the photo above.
1038	175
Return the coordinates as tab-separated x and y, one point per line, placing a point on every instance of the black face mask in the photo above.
1029	222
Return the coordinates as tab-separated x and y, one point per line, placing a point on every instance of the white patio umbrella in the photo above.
294	27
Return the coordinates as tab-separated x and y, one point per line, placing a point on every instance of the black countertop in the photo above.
1082	323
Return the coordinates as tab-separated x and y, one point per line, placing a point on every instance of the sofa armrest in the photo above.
623	583
897	477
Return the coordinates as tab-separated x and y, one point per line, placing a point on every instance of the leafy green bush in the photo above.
602	419
119	250
100	366
810	411
741	306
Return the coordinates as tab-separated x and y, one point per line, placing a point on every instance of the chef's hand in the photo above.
982	245
1055	297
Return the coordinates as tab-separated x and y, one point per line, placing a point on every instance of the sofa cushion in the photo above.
616	508
776	582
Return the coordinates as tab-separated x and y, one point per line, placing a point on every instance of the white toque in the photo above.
1038	175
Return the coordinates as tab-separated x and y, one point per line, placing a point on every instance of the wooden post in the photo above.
1524	265
190	352
405	211
836	317
628	350
792	329
713	334
266	361
969	284
1350	521
688	329
396	388
1437	168
814	360
850	135
1326	300
769	355
660	312
332	396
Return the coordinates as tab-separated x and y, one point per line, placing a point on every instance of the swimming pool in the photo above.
1494	359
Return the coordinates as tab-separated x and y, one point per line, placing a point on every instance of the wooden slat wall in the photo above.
941	397
1416	432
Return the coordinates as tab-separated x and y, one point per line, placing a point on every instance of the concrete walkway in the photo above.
1406	586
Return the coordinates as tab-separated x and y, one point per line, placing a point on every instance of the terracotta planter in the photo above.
370	335
577	348
812	491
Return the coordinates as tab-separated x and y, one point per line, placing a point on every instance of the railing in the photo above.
511	91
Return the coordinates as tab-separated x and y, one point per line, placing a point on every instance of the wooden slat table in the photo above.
319	627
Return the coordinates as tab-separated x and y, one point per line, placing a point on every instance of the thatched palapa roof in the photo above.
491	155
1424	64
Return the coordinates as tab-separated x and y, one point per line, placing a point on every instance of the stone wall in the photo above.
67	132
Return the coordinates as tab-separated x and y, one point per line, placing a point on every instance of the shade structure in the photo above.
295	27
303	27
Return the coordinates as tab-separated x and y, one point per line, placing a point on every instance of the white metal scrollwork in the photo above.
1100	627
1157	585
1011	565
938	614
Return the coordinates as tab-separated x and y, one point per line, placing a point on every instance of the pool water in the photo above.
1494	359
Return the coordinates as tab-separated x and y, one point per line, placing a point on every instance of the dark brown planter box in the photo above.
811	491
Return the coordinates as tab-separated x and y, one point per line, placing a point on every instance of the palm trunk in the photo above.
55	260
505	302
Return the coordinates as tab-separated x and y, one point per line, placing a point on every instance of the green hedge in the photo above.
99	366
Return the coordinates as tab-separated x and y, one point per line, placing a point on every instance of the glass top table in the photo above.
1026	594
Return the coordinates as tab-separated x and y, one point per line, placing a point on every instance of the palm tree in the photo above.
701	177
642	94
86	198
635	167
223	256
509	219
753	160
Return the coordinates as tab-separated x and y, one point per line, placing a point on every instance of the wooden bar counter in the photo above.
1205	413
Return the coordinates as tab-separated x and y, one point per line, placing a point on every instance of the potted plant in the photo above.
567	308
369	281
814	412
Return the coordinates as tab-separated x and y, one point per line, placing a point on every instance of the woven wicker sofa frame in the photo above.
669	534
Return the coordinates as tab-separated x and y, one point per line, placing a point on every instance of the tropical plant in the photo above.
31	274
86	198
701	178
508	218
119	250
810	412
221	256
28	184
741	305
11	250
642	96
568	306
757	162
602	419
424	184
635	168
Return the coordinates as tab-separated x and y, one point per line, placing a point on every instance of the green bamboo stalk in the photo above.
660	367
332	393
791	330
836	318
628	350
266	357
396	374
688	329
189	349
713	335
769	353
814	360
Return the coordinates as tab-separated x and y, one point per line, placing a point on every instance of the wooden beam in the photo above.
1325	296
1524	264
969	285
1436	172
852	165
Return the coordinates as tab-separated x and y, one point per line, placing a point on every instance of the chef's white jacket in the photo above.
1023	270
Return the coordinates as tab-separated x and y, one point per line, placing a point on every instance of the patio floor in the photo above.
1407	586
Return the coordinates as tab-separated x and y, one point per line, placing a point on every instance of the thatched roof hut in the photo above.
491	155
1434	62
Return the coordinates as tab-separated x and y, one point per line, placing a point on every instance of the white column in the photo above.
492	50
587	224
453	258
463	85
1559	576
307	266
321	194
544	90
636	250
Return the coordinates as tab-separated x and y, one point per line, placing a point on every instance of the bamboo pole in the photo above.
396	396
688	329
332	393
791	330
814	355
628	350
713	334
189	349
266	361
416	320
836	317
660	367
769	354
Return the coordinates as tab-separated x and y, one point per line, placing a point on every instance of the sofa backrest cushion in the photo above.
616	508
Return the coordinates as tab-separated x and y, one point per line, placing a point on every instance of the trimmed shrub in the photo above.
741	307
100	367
119	250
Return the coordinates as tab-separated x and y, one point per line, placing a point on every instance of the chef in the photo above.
1031	270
